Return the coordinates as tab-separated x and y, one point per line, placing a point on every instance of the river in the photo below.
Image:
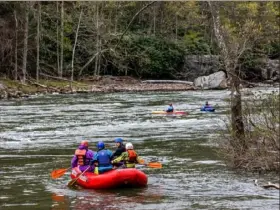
40	134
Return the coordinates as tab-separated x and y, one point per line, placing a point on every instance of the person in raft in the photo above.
102	159
129	157
170	108
81	160
120	147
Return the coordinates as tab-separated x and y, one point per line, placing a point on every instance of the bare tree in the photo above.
25	42
232	47
57	38
61	38
96	68
16	45
74	47
38	40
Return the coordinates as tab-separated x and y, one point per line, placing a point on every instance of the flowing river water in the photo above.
40	134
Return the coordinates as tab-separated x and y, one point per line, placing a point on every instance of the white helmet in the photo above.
128	146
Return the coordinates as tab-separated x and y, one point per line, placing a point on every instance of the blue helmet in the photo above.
100	145
118	140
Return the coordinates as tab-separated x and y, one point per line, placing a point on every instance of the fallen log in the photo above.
271	185
168	81
268	185
59	78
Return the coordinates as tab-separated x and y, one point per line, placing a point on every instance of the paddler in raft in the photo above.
102	159
120	149
81	160
130	157
170	108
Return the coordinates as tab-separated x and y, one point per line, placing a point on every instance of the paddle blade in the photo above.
58	173
72	182
154	165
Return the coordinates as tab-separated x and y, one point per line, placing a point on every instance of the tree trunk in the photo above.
57	39
236	111
116	17
96	72
176	27
230	60
61	39
154	25
74	47
25	43
38	41
16	46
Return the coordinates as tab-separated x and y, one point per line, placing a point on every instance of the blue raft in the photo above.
207	109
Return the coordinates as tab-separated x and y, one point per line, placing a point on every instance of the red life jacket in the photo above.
81	155
132	156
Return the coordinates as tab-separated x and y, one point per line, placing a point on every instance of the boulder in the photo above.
217	80
200	65
271	70
2	86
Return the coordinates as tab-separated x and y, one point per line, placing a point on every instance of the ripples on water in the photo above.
40	134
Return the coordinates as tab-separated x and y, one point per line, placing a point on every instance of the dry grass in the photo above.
262	133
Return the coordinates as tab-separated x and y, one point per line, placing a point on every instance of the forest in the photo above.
142	39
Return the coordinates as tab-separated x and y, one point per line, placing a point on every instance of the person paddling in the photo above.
206	104
120	147
130	157
170	108
81	160
102	159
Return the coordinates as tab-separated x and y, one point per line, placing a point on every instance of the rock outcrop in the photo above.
200	65
270	71
217	80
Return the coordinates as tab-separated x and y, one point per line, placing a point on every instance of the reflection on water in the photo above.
109	199
40	134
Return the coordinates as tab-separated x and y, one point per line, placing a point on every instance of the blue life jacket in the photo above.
103	158
170	109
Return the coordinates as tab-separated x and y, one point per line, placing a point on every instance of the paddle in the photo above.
73	181
55	174
154	165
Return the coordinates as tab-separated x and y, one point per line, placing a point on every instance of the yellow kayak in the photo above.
174	112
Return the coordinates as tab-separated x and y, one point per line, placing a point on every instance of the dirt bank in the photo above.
14	89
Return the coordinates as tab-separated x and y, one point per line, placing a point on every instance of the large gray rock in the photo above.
271	70
2	86
217	80
200	65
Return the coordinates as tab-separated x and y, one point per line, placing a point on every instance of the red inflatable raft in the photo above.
129	177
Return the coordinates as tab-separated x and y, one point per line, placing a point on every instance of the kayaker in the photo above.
120	147
206	104
102	159
81	160
129	157
170	108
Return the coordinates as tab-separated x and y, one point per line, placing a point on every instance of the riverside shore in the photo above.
15	89
10	89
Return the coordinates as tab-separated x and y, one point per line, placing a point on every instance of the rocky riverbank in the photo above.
13	89
10	89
